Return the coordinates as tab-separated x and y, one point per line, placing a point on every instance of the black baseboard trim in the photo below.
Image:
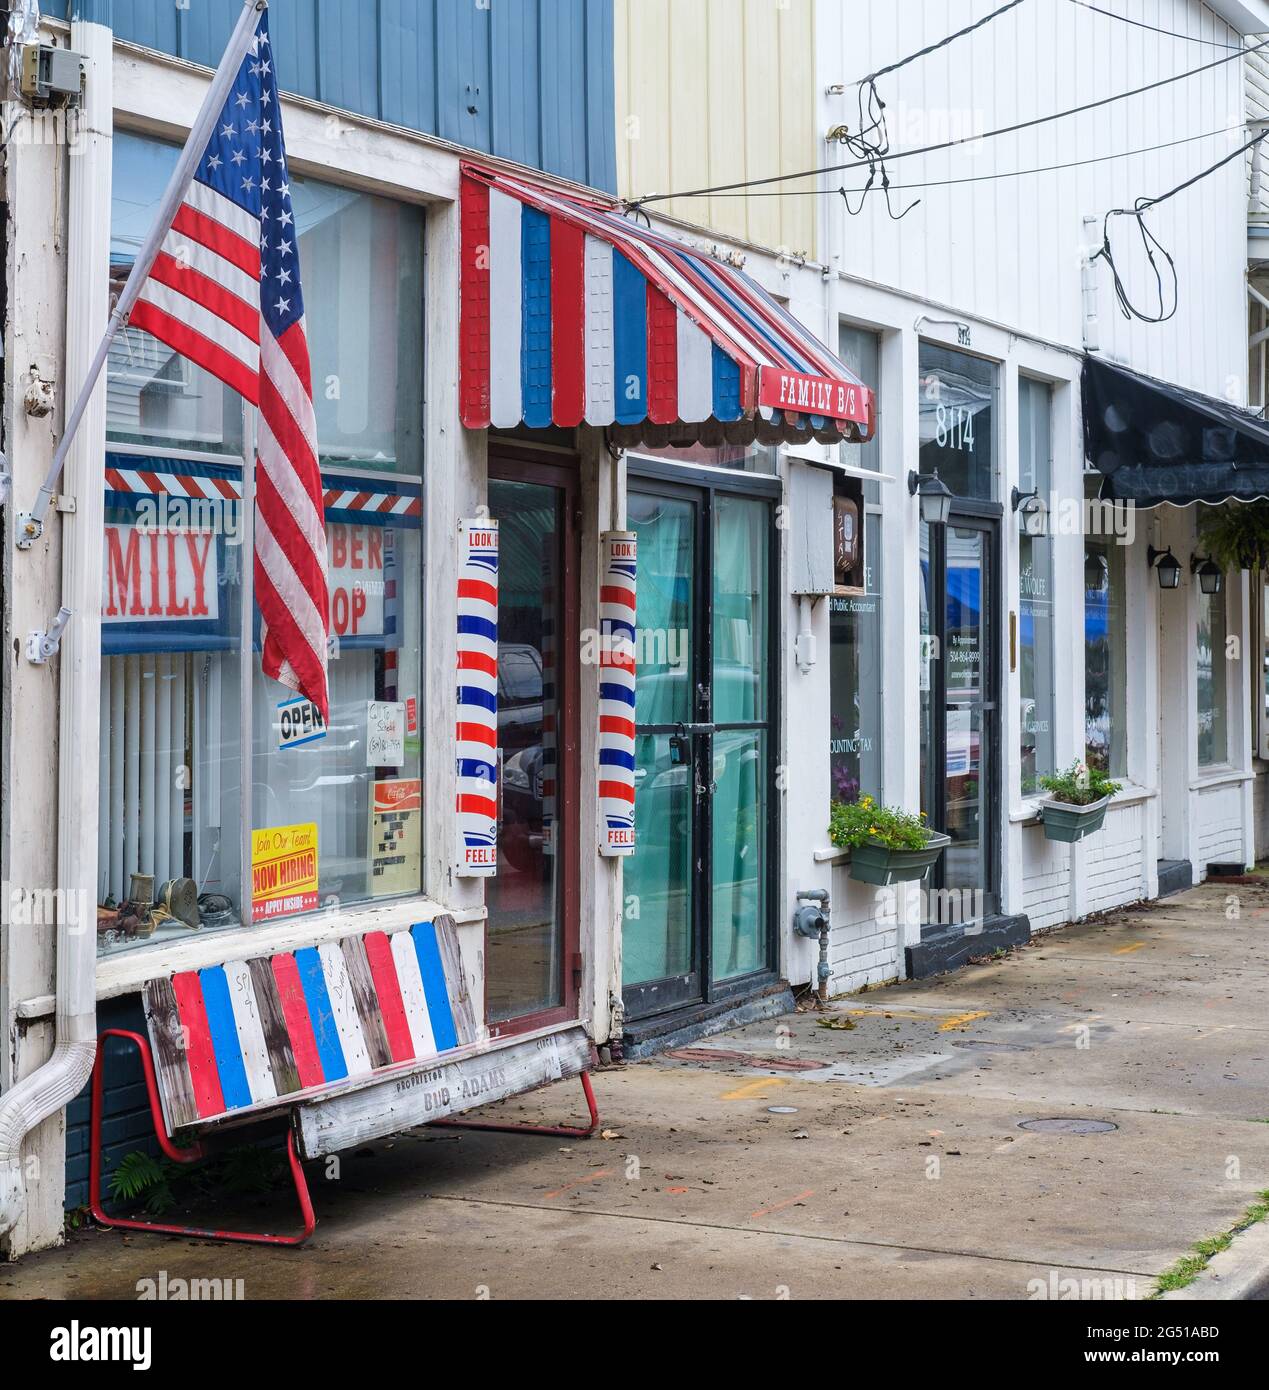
948	948
646	1036
1175	876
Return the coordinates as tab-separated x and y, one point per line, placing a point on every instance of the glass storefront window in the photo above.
192	731
958	398
1213	734
1105	658
855	735
1035	591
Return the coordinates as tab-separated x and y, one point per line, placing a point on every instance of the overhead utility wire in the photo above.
1155	29
870	141
959	140
1152	244
1001	174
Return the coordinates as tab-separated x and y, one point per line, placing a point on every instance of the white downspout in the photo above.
56	1083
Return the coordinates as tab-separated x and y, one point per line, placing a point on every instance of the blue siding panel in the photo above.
563	74
408	36
528	80
348	54
517	104
462	73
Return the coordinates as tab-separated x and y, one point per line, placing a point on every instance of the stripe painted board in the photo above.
251	1035
476	732
617	674
571	311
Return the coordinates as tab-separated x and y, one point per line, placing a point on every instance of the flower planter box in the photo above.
1068	823
871	863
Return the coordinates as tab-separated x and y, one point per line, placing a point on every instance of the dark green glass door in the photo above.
697	897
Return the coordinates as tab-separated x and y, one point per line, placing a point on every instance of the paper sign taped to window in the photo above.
396	837
283	871
385	734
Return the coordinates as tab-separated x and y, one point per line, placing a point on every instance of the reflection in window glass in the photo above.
1213	737
360	783
855	681
365	328
170	715
1035	592
957	402
336	812
860	349
1105	658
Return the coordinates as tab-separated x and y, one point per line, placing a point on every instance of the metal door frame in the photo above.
699	485
525	465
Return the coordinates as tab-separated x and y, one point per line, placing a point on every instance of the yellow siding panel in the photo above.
714	91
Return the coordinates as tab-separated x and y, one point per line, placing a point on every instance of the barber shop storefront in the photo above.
675	377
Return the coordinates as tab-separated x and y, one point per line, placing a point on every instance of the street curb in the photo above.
1241	1272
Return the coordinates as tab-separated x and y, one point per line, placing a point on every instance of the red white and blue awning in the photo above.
572	314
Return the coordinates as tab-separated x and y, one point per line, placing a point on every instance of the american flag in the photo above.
224	291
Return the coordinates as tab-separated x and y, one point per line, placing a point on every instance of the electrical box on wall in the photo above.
811	568
826	531
848	534
52	76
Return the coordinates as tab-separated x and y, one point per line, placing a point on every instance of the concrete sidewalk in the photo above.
788	1159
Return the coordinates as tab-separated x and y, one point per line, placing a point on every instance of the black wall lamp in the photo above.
1034	514
1166	566
936	497
1209	573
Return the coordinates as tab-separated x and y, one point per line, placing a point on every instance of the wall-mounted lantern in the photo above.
936	497
1209	573
1033	512
1166	566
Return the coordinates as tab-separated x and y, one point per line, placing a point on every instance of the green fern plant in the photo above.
140	1177
1236	534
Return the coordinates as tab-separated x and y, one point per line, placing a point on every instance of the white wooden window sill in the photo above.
127	972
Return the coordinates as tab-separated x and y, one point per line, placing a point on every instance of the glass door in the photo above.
532	929
959	708
697	894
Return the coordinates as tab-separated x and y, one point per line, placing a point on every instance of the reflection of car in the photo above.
520	831
519	697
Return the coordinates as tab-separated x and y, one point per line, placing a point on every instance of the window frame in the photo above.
1221	704
1050	396
245	651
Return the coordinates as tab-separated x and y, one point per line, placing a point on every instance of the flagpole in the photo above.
31	527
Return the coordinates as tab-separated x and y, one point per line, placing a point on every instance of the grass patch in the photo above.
1188	1268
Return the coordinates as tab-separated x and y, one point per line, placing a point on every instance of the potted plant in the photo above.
886	845
1077	802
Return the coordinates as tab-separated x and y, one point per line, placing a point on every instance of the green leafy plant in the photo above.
1236	534
140	1177
1080	785
853	823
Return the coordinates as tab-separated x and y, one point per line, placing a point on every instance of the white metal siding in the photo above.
1009	249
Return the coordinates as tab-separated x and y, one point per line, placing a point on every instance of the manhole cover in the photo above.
986	1045
782	1110
1069	1126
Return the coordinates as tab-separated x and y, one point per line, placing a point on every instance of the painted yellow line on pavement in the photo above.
960	1020
752	1090
933	1016
1128	950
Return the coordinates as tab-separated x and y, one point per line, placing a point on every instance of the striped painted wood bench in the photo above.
352	1039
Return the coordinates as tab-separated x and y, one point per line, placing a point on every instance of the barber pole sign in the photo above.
477	739
617	693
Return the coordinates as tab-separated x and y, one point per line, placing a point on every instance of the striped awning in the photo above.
572	313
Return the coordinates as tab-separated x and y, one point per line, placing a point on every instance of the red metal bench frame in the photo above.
196	1153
